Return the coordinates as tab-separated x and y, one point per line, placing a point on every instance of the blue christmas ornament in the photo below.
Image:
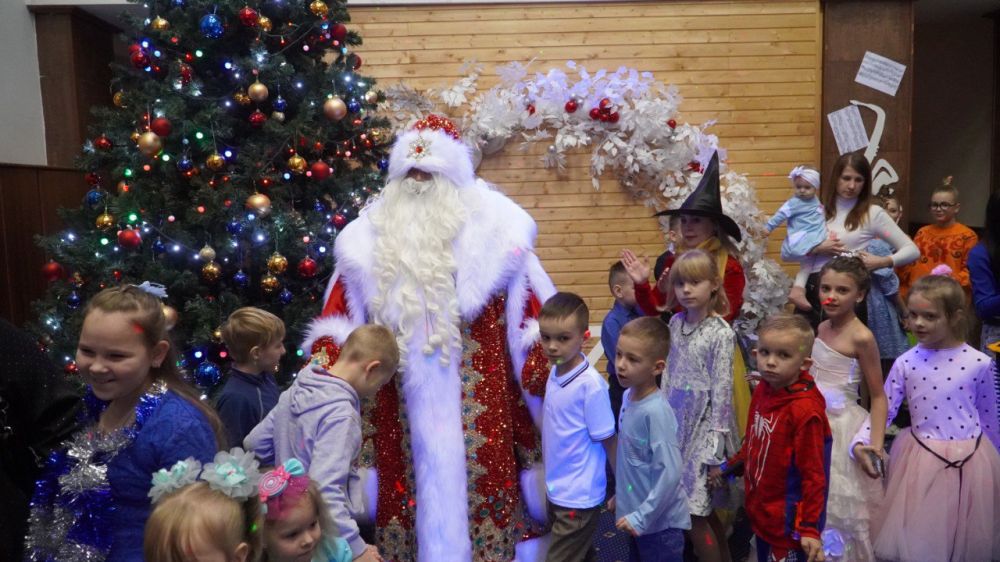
383	164
185	164
235	227
241	279
319	207
211	26
95	197
207	374
280	104
158	246
285	296
354	106
73	300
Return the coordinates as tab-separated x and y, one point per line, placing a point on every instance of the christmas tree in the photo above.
240	140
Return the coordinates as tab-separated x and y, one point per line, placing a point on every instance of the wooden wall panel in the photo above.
755	66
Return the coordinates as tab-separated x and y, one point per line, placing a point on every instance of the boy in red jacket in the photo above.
785	458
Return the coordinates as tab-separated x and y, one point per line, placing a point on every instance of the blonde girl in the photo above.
698	386
943	496
141	416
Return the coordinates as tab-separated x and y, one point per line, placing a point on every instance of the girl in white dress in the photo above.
844	353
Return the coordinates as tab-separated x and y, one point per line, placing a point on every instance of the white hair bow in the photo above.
155	289
806	173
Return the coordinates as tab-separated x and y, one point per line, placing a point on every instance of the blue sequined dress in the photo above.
174	431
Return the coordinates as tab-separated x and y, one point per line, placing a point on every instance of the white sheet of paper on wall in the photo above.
848	129
880	73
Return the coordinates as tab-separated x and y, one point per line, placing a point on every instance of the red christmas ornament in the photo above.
339	220
531	109
338	32
595	113
134	47
356	61
613	118
185	74
71	368
307	268
161	126
53	271
117	274
571	106
694	166
129	239
672	124
320	170
139	59
604	104
604	117
248	16
103	143
265	182
257	119
92	178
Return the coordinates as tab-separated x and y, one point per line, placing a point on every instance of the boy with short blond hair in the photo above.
650	503
945	241
622	311
254	340
785	457
318	421
578	430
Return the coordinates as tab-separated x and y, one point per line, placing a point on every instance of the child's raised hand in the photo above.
623	525
636	267
813	549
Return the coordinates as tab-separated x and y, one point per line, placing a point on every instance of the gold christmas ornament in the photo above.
215	162
259	203
171	315
211	272
135	136
297	164
150	143
207	253
217	335
278	116
334	108
119	99
277	263
265	23
269	284
319	8
371	96
257	92
160	24
242	98
105	221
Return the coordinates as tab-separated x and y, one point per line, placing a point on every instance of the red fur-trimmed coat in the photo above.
456	448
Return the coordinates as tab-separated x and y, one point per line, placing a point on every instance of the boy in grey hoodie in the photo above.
318	421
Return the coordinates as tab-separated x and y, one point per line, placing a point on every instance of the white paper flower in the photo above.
234	473
181	474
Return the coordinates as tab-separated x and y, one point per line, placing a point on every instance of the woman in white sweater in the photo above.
851	221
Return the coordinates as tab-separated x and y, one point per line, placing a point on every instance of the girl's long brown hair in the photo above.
147	314
859	214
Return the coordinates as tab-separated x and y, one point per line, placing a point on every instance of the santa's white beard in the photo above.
414	263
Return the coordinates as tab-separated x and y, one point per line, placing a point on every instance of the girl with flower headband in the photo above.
297	524
943	495
91	502
208	514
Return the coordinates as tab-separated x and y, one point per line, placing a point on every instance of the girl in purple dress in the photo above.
943	495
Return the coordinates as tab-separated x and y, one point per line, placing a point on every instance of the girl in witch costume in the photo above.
92	500
704	226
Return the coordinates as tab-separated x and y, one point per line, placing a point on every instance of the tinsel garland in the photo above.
72	507
654	156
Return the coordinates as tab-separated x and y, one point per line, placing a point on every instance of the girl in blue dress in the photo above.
92	500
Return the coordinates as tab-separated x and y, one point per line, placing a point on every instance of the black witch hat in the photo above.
706	201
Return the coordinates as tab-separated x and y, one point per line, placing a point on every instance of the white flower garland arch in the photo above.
656	163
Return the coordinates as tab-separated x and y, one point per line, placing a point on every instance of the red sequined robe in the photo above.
456	449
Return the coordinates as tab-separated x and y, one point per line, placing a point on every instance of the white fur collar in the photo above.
493	244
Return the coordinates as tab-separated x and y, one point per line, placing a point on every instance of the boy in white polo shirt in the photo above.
578	430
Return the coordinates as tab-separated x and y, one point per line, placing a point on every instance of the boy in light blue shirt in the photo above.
649	501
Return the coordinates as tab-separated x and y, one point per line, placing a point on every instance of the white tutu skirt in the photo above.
929	514
854	496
